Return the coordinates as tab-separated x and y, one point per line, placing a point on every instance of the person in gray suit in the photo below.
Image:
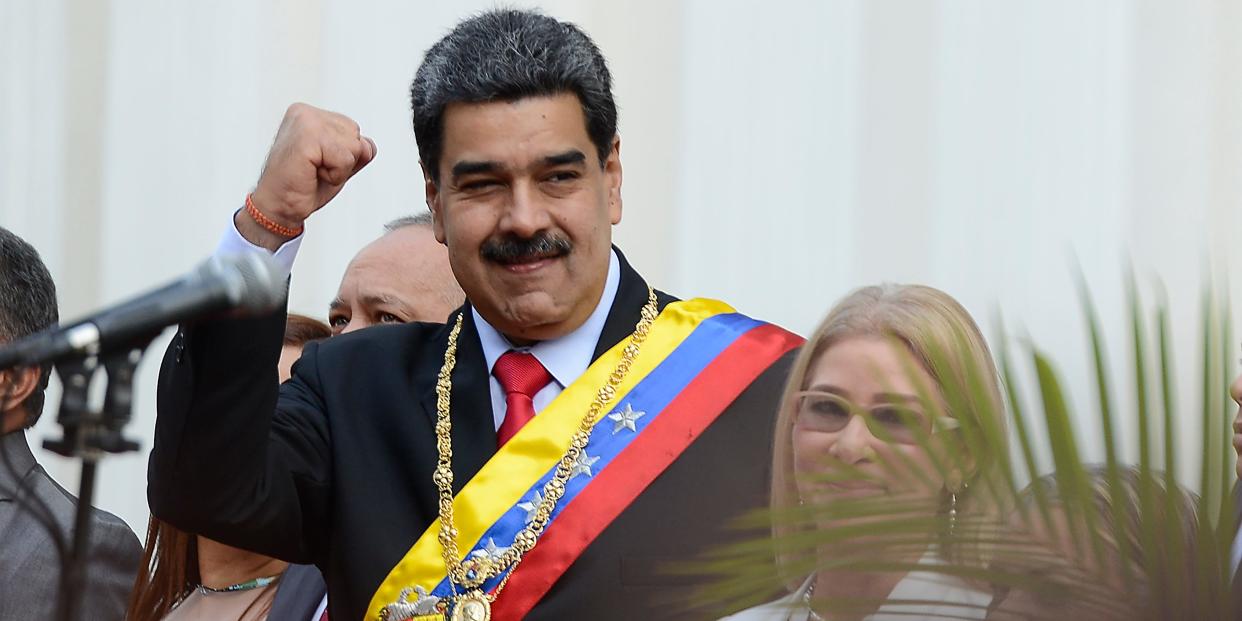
36	514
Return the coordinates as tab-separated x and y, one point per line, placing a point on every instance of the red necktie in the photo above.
521	376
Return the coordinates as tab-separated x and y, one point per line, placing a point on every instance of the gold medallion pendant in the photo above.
472	606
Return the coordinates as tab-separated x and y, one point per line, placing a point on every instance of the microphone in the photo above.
250	283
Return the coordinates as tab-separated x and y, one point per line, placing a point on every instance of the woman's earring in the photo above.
952	513
953	485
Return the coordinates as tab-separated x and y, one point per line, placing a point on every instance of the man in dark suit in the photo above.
516	127
36	514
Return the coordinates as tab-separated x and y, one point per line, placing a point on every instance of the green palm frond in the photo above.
1117	539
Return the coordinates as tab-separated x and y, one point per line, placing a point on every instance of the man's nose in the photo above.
526	214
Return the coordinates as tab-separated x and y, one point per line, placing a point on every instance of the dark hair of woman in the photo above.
300	330
170	560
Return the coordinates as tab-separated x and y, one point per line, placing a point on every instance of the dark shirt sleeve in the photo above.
237	457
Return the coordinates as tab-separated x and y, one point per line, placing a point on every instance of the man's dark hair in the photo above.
506	55
27	305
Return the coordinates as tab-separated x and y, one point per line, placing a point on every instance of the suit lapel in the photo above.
627	307
474	428
22	511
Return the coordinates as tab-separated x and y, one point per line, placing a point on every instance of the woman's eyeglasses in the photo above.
830	413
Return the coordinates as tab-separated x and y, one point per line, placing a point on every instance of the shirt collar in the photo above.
566	357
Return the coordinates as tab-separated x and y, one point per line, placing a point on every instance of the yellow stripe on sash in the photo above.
535	449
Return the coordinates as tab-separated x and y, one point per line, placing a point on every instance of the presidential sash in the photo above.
699	356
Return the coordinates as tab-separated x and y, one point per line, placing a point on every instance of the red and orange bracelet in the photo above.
267	222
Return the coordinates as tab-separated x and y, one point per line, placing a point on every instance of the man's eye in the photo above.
482	184
389	318
338	321
563	175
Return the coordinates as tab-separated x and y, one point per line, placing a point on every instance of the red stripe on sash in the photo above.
631	471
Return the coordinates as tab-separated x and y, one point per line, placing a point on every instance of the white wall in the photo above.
777	155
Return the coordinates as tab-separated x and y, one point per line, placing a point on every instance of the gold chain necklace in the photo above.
474	604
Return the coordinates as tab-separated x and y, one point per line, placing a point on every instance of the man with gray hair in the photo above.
37	514
401	277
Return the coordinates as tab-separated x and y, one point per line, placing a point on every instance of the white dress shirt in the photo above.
232	243
323	607
565	358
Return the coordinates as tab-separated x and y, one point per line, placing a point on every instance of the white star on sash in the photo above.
582	465
531	506
491	551
624	419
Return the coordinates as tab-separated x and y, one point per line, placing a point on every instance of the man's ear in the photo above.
16	384
612	178
432	192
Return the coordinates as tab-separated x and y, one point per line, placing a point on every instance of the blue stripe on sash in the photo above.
650	396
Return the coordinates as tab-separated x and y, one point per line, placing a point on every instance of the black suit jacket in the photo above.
334	467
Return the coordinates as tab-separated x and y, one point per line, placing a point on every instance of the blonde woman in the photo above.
892	400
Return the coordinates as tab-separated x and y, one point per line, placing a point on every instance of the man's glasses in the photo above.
830	413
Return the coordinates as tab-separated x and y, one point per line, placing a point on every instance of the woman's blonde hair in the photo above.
944	341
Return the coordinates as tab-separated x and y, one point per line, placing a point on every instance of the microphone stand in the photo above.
88	433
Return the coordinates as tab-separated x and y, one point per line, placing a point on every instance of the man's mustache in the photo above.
510	250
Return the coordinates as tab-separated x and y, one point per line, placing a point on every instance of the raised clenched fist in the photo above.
314	154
